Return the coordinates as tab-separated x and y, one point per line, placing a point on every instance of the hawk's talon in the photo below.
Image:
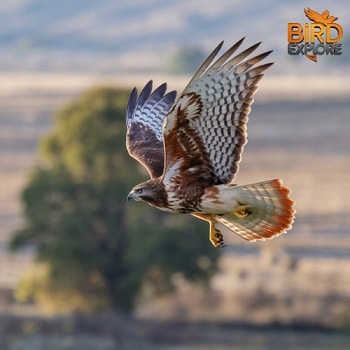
216	237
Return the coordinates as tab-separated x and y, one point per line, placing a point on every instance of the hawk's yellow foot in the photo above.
215	236
243	211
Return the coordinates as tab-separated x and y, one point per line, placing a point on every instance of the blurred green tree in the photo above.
185	60
96	252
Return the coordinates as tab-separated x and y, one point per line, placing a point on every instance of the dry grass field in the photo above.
296	133
115	332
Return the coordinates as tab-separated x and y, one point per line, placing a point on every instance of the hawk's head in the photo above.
151	191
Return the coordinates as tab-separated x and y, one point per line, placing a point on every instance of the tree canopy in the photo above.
98	251
185	60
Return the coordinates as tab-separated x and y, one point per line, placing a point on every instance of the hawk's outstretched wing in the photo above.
144	120
205	131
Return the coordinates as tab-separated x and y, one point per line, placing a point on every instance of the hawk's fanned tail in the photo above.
265	211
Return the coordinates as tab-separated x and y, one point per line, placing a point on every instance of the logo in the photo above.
321	37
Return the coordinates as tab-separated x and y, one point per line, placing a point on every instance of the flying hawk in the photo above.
192	146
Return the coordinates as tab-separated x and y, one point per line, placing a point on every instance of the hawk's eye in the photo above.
139	191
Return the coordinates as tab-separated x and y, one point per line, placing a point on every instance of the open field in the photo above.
111	332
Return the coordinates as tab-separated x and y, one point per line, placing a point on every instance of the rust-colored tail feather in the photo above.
266	211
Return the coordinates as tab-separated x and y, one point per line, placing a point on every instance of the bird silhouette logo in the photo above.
323	18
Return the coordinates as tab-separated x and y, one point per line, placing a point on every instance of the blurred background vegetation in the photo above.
95	251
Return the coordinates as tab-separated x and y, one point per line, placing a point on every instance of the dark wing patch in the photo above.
144	119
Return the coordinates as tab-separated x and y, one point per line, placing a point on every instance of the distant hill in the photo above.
137	35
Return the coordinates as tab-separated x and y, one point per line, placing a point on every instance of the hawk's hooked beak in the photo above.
130	196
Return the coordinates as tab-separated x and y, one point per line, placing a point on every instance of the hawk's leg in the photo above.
215	235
